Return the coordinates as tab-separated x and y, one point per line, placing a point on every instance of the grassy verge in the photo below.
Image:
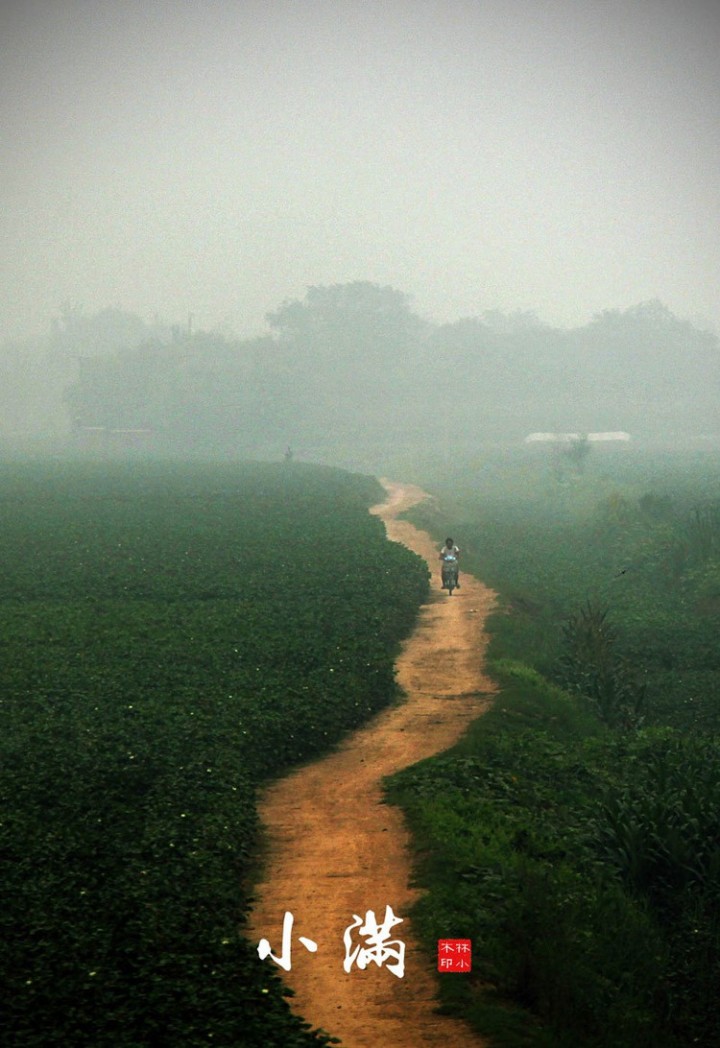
572	834
561	954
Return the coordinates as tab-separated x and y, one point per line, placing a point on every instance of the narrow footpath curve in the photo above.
334	848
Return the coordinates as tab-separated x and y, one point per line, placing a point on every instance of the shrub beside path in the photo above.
334	849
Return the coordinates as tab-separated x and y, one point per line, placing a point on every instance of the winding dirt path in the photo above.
335	849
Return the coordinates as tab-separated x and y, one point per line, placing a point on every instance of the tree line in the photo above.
354	363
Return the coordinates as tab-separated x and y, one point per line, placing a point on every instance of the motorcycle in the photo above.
449	572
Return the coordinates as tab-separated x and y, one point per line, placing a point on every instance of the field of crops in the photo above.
171	638
579	817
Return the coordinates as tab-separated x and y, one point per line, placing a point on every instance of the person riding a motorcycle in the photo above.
450	555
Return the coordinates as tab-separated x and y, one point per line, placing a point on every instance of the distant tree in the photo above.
653	314
509	323
347	321
350	353
577	452
203	393
659	372
95	334
649	328
117	391
569	456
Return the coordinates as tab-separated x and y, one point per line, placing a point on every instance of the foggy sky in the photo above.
216	157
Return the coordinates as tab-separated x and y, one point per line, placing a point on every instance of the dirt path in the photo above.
336	850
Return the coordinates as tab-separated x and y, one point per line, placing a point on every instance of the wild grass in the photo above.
572	834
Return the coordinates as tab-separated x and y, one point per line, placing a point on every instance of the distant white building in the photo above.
105	438
565	438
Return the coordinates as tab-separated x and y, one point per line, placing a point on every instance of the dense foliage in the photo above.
350	361
577	821
171	638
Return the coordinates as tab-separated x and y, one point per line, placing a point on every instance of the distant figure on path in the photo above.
451	553
288	454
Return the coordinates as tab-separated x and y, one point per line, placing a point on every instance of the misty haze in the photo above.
360	523
238	225
350	369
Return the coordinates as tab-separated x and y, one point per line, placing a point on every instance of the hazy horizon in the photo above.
218	159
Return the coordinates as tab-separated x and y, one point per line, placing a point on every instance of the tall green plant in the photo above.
660	828
591	667
702	532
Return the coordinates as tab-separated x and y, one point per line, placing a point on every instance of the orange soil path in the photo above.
336	850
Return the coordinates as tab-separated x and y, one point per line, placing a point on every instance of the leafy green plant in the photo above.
591	667
660	828
702	532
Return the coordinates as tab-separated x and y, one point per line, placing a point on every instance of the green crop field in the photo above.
172	637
